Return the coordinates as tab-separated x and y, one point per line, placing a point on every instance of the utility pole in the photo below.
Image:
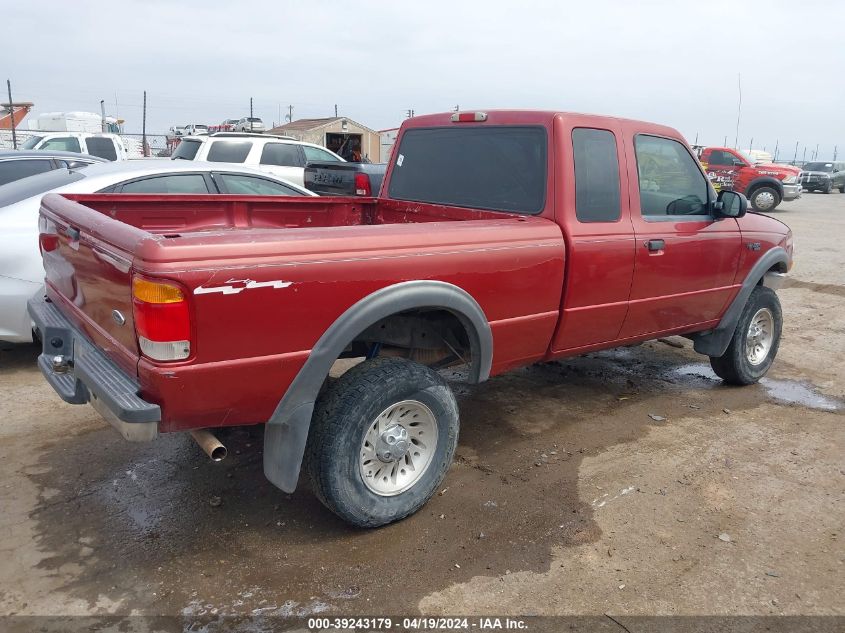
804	159
777	141
834	152
335	110
695	142
103	114
725	144
751	144
12	110
290	114
250	114
816	155
144	127
410	113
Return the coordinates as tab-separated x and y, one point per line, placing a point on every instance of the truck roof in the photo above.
536	117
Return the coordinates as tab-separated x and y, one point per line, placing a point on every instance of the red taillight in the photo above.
162	319
469	117
362	185
48	242
48	239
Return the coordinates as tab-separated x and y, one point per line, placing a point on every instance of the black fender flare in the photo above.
716	341
765	181
286	433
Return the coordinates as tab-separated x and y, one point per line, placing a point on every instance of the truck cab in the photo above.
765	185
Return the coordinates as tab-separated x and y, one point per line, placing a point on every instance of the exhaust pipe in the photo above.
210	444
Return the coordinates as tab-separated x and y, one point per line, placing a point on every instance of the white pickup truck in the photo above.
108	146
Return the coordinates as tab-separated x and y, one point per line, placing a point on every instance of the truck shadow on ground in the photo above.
161	528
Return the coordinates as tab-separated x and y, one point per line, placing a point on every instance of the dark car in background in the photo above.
17	164
824	176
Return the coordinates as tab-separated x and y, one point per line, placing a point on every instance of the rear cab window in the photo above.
228	151
496	168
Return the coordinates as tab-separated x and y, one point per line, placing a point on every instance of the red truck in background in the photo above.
765	185
499	239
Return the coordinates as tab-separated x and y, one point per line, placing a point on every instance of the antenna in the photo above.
738	109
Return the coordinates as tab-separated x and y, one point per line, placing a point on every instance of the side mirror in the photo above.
730	204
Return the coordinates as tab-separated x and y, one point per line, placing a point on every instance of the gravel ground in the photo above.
567	496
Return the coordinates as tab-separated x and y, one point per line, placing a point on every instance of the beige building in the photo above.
333	132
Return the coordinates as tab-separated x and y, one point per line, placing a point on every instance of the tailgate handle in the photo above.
73	233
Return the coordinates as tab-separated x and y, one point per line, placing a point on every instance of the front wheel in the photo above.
381	440
755	341
764	199
828	188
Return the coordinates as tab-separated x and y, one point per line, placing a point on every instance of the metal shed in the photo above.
332	132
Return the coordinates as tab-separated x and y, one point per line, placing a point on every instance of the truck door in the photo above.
722	168
686	260
594	209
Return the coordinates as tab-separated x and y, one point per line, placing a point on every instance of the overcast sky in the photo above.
671	62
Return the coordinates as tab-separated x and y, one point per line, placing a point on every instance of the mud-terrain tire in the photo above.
755	341
764	199
357	422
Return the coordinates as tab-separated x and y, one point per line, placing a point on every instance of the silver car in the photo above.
21	271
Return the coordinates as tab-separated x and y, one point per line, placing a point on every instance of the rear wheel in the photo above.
382	438
755	341
764	199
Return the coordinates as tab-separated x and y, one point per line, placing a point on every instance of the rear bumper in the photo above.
791	192
80	373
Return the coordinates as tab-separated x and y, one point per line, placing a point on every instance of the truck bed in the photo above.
312	258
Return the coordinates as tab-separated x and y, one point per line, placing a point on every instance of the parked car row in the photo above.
245	124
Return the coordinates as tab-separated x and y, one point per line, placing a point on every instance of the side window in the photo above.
62	143
102	147
720	157
175	183
671	182
254	186
315	153
228	151
282	154
596	175
11	170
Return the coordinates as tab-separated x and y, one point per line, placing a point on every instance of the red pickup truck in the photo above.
499	239
765	185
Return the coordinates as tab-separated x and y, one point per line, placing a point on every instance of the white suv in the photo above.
249	124
280	155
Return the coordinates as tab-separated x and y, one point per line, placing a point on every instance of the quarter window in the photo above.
315	153
596	175
228	151
281	154
254	186
102	147
671	182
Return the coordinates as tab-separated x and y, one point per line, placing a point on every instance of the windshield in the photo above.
31	142
828	167
36	185
186	150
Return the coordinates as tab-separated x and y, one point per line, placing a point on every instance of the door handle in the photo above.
655	245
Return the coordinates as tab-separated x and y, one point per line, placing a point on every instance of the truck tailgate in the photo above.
89	277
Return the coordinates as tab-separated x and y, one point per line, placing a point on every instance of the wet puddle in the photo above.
784	391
